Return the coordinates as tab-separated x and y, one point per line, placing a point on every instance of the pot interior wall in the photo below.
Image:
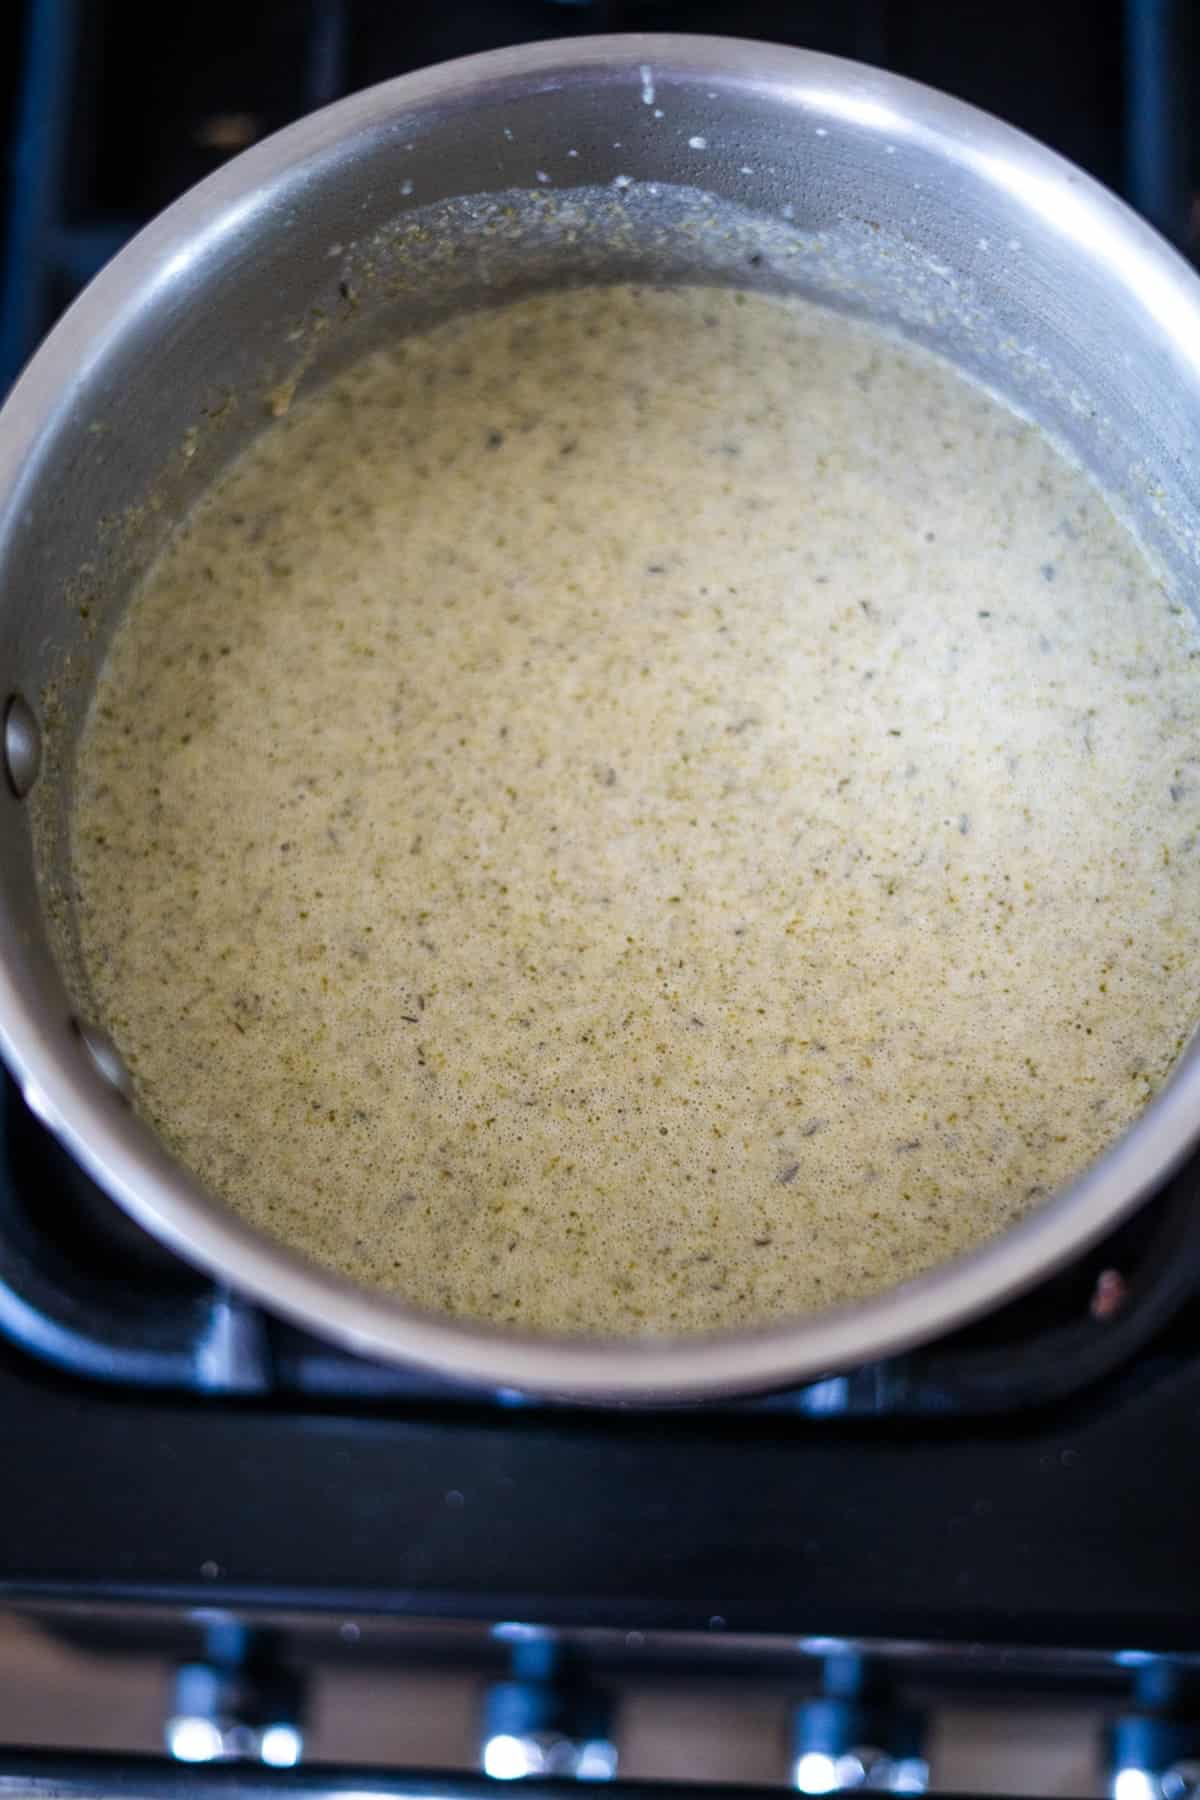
857	191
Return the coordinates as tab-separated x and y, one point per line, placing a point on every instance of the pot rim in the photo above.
121	1152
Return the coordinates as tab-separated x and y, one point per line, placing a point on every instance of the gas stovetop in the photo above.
1012	1510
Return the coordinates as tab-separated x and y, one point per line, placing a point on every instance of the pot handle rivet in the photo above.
22	745
106	1056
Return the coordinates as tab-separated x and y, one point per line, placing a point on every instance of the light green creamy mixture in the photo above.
644	811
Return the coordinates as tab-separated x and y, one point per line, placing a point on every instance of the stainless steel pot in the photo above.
668	157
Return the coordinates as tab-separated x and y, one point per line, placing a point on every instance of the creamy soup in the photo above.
644	811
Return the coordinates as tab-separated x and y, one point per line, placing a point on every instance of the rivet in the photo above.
22	745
